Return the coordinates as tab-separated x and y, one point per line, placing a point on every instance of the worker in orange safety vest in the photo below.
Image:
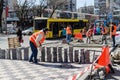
89	35
113	32
68	33
36	41
104	32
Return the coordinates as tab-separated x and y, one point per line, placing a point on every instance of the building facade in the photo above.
8	11
68	5
86	9
107	9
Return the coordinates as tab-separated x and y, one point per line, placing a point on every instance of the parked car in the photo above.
28	31
12	31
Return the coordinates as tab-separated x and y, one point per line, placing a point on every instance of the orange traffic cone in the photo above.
104	59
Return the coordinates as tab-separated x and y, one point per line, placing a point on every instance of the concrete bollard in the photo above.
26	55
43	54
8	55
49	56
76	55
87	56
82	56
60	54
14	55
54	54
65	55
19	54
2	54
71	54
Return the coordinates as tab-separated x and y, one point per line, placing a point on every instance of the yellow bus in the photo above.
55	25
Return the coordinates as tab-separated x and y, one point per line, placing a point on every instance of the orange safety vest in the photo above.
34	36
78	36
104	30
113	32
68	30
89	33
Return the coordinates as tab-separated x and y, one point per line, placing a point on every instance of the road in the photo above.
4	41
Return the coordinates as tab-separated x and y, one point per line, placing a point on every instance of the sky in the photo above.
81	3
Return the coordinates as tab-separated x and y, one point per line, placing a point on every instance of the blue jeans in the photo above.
34	53
68	37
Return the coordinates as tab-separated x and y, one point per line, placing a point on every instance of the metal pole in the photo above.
5	19
111	3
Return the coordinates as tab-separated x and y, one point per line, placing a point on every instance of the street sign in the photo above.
110	16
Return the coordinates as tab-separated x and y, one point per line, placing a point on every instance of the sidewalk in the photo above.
23	70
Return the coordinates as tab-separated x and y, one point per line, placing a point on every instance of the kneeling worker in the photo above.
36	41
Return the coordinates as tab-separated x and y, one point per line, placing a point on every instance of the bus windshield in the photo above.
40	24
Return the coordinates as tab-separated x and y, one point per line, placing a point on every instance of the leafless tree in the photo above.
55	4
36	8
41	6
48	4
22	10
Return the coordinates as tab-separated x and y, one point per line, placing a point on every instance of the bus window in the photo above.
40	24
61	25
81	23
54	28
76	25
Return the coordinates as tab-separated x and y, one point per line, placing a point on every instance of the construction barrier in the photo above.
100	67
49	54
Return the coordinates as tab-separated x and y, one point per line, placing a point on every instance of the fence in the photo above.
52	54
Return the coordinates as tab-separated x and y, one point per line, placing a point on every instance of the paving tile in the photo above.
23	70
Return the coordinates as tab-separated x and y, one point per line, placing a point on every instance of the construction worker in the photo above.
104	34
36	41
84	32
79	36
113	32
68	34
89	35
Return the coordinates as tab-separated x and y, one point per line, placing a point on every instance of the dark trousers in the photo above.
88	40
34	53
104	38
113	40
68	37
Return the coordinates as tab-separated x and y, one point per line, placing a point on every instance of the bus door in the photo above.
55	29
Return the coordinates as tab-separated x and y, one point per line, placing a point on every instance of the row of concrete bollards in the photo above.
56	54
15	53
49	54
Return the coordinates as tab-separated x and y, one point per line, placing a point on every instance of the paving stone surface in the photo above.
23	70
